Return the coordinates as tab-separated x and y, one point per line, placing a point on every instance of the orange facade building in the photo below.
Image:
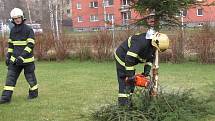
101	14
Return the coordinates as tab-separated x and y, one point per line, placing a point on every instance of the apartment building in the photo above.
101	14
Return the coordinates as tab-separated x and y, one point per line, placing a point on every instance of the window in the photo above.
125	2
94	18
80	19
78	5
80	29
200	24
109	17
110	28
200	12
184	13
93	4
68	11
126	15
108	3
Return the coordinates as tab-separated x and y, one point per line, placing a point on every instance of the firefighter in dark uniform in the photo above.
137	49
20	56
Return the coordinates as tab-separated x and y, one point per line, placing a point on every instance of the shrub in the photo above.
177	106
205	44
50	49
84	51
3	46
103	45
177	47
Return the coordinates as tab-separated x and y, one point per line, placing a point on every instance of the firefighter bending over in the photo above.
136	49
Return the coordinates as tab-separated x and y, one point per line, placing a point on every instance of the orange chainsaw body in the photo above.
141	81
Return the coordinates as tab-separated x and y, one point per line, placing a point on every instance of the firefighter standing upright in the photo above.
20	56
139	48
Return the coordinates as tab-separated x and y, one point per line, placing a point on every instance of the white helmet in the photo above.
148	13
16	12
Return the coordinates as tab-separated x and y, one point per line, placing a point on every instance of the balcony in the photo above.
124	8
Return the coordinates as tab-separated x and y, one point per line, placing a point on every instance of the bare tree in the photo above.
29	11
51	10
55	9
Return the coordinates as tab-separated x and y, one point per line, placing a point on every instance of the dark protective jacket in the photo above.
21	43
137	49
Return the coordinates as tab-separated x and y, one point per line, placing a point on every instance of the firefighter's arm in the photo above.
30	44
10	44
10	51
130	59
147	68
148	65
10	47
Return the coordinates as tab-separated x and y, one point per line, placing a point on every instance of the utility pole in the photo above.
182	21
105	13
113	32
113	29
181	43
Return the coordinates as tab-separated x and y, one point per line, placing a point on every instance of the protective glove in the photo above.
19	60
24	54
7	62
147	69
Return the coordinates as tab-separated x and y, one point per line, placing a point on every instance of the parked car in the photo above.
36	28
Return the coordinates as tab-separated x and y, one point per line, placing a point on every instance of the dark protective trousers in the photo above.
12	76
125	91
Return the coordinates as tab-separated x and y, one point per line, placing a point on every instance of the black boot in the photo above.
6	96
33	94
123	101
4	101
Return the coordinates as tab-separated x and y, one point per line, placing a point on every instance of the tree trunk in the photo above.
52	18
56	22
29	11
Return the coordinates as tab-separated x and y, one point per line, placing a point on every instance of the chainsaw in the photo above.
142	81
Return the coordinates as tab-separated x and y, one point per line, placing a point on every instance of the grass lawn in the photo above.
72	90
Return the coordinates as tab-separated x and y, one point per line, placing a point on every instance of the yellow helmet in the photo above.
160	41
